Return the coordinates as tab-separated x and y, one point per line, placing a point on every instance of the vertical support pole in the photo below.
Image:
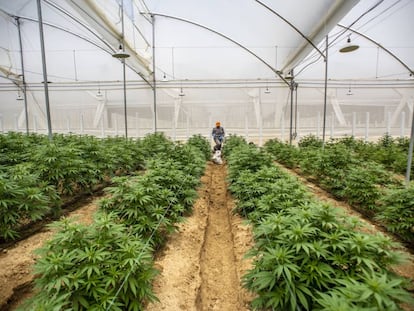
291	86
366	125
353	123
125	99
325	92
332	125
45	82
410	154
402	124
154	82
26	111
296	110
318	125
124	71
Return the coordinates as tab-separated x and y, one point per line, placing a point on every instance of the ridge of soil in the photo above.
69	205
16	262
203	262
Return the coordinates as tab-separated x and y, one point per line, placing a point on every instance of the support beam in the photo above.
45	80
97	19
333	15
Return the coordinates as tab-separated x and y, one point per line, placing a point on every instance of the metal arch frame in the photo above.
411	145
110	52
292	26
91	31
411	71
226	37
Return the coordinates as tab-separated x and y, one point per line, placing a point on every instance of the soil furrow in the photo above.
202	263
220	283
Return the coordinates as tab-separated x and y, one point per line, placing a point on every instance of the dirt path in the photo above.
202	263
16	263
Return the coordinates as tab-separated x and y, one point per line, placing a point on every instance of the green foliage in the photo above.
202	144
302	252
233	141
23	197
156	144
83	266
286	154
387	151
305	251
246	157
140	204
188	159
374	292
310	141
397	212
109	264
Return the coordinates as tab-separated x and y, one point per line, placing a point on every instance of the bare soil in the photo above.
203	262
16	262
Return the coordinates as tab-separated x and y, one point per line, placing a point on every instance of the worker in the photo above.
218	135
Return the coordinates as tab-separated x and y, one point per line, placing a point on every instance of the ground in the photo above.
200	265
203	262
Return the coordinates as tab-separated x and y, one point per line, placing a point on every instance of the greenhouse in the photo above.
116	194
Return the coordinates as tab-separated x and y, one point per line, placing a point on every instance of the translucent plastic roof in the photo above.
237	39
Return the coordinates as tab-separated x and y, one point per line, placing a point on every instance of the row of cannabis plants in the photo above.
363	183
307	256
38	176
108	265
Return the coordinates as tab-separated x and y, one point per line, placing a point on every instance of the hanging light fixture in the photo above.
267	91
121	53
99	93
164	78
349	47
181	92
288	76
349	91
19	96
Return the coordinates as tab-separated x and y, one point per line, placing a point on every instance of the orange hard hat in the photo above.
218	123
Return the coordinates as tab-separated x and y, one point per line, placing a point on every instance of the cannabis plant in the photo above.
202	144
397	212
283	153
24	197
233	141
93	267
